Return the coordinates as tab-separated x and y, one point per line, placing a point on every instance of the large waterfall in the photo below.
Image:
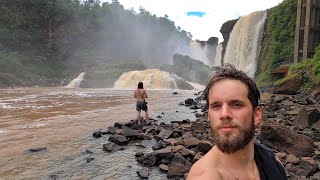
244	43
152	79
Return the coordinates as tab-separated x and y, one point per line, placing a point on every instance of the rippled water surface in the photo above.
63	120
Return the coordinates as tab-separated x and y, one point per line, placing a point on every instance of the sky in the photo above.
202	18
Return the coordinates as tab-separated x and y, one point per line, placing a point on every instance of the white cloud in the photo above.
202	28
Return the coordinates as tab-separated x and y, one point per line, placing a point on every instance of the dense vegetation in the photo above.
278	41
55	38
308	70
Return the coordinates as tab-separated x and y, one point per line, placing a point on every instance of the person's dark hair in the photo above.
228	71
140	85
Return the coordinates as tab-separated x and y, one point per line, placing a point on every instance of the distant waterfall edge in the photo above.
244	44
75	83
154	79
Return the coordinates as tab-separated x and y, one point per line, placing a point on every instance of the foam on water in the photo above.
3	131
5	106
35	125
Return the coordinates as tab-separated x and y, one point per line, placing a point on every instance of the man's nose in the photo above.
225	112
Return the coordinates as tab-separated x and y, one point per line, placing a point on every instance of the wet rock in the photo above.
147	143
139	154
111	147
144	173
164	152
159	145
88	152
194	107
97	134
89	159
130	133
179	166
148	160
165	134
188	102
38	149
164	167
118	139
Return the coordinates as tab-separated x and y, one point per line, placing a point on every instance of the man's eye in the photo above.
215	106
237	105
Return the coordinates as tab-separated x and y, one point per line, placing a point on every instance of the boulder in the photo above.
306	118
179	166
290	86
282	138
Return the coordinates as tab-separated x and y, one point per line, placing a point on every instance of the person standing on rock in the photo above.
233	115
140	94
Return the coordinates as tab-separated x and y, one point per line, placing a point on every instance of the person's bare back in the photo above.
140	94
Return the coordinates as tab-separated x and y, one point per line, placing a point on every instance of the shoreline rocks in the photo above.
179	144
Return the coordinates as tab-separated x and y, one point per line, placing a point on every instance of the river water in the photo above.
63	120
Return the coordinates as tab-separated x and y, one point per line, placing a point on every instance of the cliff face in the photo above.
277	47
225	30
188	69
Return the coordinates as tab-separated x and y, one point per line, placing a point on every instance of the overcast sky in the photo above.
203	18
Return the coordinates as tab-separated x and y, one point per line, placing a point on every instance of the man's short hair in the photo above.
228	71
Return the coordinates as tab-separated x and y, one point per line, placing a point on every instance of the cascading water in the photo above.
75	83
198	52
152	79
244	43
204	53
218	57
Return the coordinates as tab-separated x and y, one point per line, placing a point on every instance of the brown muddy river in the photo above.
63	120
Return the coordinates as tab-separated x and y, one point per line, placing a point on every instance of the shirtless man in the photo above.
140	94
233	114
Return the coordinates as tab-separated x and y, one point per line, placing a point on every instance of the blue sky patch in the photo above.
195	13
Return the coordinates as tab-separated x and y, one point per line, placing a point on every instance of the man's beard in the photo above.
228	143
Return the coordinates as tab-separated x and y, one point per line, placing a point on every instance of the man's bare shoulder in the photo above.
203	173
204	169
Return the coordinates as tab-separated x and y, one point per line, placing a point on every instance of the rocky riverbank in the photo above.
291	127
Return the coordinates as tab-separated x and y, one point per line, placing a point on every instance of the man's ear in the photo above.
257	116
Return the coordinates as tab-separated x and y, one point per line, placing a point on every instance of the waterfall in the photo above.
75	83
152	79
244	43
198	52
218	57
202	52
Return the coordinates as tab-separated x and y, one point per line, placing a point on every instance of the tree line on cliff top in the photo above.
51	38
